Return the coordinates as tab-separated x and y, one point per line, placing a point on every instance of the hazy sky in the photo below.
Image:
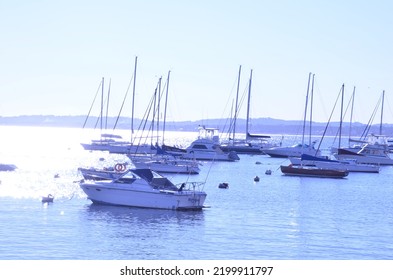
53	55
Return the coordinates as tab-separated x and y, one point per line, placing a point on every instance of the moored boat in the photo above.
146	189
166	164
325	162
107	173
7	167
307	171
207	147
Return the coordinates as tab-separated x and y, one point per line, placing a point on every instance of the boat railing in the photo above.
190	186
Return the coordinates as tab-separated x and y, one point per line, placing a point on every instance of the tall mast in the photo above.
305	109
158	108
380	125
350	121
341	116
237	96
102	102
166	102
107	105
311	107
133	100
248	104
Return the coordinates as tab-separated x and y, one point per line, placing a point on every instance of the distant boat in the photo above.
146	189
370	154
306	171
115	145
292	151
252	144
7	167
303	149
48	198
97	174
324	162
165	164
207	147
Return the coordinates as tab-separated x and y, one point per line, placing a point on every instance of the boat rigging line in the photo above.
91	107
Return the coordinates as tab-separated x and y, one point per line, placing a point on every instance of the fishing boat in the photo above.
309	171
146	189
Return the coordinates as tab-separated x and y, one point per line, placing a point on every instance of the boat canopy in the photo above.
154	179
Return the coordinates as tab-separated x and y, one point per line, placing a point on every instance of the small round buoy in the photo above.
256	179
268	172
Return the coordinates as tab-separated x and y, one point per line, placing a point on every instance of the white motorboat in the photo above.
147	189
207	147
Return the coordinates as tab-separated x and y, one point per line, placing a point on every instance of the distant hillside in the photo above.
257	126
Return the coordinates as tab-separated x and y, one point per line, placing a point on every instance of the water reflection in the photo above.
123	214
136	233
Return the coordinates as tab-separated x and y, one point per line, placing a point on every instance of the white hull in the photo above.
377	160
168	167
207	147
285	152
351	166
99	174
137	196
120	148
207	155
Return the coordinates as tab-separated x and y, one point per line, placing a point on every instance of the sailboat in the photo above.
113	143
252	144
374	151
298	149
162	161
311	171
326	162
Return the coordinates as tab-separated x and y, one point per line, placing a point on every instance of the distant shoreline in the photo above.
257	126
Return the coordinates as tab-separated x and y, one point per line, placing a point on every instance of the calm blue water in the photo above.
278	217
